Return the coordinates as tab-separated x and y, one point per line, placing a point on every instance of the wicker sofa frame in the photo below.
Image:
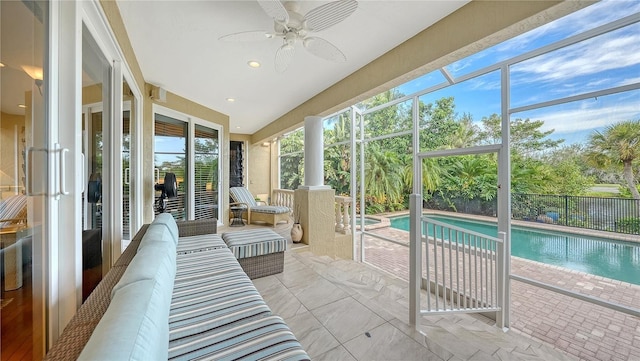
77	333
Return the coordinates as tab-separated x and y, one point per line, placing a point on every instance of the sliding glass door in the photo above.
170	143
190	149
24	178
206	177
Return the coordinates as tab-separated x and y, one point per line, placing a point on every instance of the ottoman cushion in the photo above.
255	242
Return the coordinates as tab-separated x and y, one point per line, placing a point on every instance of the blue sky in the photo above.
598	63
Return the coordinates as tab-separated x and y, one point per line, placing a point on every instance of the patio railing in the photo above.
343	214
463	270
285	197
282	197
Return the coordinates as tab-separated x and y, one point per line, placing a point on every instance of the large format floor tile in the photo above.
347	318
344	310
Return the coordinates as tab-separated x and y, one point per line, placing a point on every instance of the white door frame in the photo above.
64	254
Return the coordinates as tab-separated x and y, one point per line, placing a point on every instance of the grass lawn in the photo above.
604	190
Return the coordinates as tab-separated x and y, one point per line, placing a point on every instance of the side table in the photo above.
236	220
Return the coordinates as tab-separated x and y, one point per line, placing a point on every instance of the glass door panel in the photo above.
126	176
96	223
128	110
23	178
207	156
170	156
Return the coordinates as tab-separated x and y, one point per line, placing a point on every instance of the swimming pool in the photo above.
367	221
612	259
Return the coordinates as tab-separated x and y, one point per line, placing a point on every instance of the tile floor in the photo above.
343	310
541	329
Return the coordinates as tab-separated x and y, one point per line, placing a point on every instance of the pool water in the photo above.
607	258
367	221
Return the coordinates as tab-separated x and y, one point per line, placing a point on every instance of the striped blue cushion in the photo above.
266	338
212	297
242	195
270	209
253	243
193	267
14	207
199	243
216	312
204	259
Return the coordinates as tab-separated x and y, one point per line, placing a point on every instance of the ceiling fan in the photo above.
291	26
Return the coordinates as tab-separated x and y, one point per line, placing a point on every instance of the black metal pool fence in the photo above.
619	215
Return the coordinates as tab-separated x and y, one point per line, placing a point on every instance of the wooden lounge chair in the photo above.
257	212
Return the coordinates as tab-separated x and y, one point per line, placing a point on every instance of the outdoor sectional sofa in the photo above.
178	292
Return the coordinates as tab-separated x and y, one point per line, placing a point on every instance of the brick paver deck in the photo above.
581	329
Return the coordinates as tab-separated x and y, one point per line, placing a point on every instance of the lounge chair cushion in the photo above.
242	195
270	209
14	209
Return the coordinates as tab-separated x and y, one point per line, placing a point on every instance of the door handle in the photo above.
63	168
29	170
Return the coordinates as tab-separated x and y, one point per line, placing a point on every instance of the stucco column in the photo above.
313	153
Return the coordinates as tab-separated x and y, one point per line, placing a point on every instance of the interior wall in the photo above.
173	101
258	168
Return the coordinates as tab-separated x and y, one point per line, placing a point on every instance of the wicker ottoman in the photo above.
260	252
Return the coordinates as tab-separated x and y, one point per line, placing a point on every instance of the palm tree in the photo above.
432	174
619	144
383	175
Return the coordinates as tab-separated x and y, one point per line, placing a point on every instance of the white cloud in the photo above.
593	56
585	117
594	15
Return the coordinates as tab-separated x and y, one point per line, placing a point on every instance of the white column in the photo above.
313	153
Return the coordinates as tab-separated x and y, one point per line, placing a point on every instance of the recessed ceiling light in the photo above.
254	64
21	106
231	100
238	127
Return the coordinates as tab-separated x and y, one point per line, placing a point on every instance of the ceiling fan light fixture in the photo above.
284	55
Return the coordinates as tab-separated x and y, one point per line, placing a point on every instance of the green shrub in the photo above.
628	225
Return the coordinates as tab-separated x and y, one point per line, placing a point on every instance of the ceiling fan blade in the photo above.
328	15
255	35
324	49
275	9
284	55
